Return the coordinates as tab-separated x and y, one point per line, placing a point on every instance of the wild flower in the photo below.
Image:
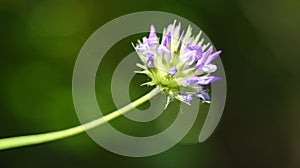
180	64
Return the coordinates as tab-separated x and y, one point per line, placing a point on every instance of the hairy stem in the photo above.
13	142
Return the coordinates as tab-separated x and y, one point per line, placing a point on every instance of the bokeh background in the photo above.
260	40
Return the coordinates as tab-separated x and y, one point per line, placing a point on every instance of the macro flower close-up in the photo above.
150	84
180	64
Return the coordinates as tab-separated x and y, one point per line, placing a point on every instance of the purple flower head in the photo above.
178	62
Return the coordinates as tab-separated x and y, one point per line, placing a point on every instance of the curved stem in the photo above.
19	141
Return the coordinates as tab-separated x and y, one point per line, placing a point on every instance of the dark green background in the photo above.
260	40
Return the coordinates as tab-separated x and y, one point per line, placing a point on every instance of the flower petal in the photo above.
169	28
141	48
150	59
191	80
188	56
212	57
175	37
201	62
172	71
206	80
198	50
186	98
152	41
203	96
175	33
210	68
191	54
167	40
164	52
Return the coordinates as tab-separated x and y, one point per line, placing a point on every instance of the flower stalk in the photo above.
14	142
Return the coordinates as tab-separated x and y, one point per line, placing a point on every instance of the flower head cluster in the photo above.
180	64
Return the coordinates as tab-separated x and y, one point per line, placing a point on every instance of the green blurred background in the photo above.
260	40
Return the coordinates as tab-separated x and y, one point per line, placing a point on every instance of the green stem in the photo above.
19	141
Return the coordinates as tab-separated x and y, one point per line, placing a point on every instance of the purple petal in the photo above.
167	40
206	80
173	71
212	57
169	28
152	34
188	56
165	52
191	54
203	59
145	40
191	80
210	68
176	32
152	41
185	98
203	96
141	48
198	51
150	59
